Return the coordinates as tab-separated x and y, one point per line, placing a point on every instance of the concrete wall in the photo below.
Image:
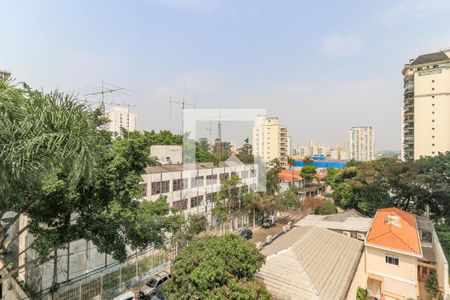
359	279
396	280
167	154
441	266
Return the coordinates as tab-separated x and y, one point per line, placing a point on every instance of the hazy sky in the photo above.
320	66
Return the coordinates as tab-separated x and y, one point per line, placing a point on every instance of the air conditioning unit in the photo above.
360	236
347	233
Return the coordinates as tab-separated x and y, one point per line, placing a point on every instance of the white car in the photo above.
126	296
154	283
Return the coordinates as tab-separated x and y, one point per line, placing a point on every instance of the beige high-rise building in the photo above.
121	117
270	140
362	143
426	105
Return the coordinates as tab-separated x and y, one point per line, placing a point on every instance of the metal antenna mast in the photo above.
102	92
184	104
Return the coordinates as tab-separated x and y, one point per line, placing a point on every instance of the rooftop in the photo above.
183	167
430	57
290	175
349	220
310	263
395	229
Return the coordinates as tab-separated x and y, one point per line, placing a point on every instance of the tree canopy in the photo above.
60	169
220	267
410	185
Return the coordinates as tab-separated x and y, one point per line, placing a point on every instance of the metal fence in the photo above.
109	282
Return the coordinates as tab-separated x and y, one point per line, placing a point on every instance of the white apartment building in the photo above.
362	143
192	188
271	140
120	117
4	74
426	105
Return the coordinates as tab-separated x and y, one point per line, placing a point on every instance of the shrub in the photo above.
327	208
310	204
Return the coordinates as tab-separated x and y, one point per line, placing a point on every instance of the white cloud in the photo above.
341	45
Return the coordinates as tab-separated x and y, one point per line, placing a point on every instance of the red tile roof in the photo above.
396	229
290	175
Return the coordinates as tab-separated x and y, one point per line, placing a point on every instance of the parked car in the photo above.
126	296
267	223
247	234
154	283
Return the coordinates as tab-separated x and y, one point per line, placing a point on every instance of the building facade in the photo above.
401	251
426	105
4	74
192	188
271	140
362	143
120	117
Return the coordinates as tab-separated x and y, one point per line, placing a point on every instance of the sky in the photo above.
321	67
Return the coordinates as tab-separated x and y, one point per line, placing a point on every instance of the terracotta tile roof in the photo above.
290	175
321	175
396	229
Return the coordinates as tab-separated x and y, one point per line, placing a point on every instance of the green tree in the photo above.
327	208
308	172
432	286
289	200
362	294
228	199
245	153
307	161
62	171
217	268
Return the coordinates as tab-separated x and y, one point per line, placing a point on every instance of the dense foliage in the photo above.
411	185
217	268
60	169
327	208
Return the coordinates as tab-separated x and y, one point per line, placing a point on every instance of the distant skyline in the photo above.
321	67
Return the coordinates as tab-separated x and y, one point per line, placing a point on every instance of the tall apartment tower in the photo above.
426	105
362	143
270	140
121	117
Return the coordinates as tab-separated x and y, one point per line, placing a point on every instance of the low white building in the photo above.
191	188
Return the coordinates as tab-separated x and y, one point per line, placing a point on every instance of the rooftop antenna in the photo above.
102	92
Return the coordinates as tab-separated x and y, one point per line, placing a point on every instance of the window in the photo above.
432	145
210	197
252	173
180	204
391	260
432	80
196	201
244	174
432	136
432	128
223	177
432	112
432	89
432	97
434	67
160	187
432	121
432	104
197	181
179	184
211	179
